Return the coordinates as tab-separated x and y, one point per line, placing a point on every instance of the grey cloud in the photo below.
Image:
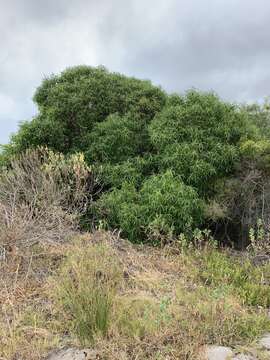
219	45
204	46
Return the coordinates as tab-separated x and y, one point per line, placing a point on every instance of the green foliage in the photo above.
41	131
198	116
4	155
217	317
121	209
258	116
236	276
133	171
71	103
164	203
256	152
198	136
169	199
133	133
117	139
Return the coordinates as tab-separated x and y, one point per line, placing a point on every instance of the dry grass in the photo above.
24	304
41	196
157	304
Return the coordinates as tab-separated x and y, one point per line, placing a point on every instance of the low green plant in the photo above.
141	317
237	275
219	318
259	237
198	239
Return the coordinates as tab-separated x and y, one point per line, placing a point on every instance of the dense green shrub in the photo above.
158	157
164	203
117	139
121	209
71	103
133	170
198	138
168	199
244	196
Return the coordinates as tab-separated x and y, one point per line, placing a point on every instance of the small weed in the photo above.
219	318
237	276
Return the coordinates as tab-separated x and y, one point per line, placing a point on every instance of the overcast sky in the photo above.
220	45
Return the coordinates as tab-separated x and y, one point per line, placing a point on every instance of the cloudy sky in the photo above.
220	45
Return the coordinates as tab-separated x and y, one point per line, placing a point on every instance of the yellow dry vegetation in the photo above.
128	302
